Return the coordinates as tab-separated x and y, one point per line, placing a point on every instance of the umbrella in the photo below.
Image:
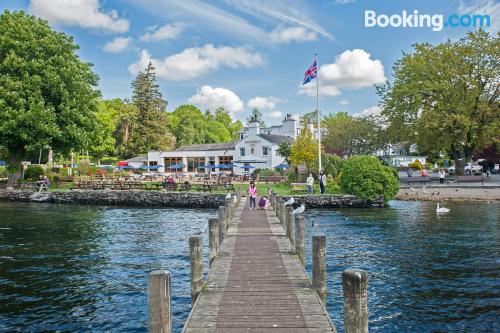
225	166
176	166
282	166
150	167
208	166
247	166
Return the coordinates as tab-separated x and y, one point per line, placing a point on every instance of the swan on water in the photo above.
299	209
289	202
442	209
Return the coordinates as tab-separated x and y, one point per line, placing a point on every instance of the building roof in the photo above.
208	147
140	158
278	139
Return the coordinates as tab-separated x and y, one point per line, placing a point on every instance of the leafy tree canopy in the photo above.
260	116
284	150
48	95
304	150
446	97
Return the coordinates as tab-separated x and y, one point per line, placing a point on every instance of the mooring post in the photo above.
196	255
222	223
290	221
159	302
213	225
276	208
283	213
319	266
300	238
227	204
354	284
235	204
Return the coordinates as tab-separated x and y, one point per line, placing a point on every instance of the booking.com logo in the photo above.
416	20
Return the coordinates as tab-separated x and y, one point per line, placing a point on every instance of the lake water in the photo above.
84	268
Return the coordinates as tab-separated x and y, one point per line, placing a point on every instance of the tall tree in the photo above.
48	96
446	97
304	150
150	130
284	150
257	113
346	135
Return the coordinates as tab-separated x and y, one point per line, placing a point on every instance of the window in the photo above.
265	151
169	161
225	159
241	136
195	163
242	151
153	163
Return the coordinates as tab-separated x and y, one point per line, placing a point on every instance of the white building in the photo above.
255	147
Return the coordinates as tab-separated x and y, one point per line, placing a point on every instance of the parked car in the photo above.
469	169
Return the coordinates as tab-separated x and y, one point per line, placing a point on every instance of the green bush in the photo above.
109	160
33	172
3	172
332	164
367	177
416	165
268	172
293	177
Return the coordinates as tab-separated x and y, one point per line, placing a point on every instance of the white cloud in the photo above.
268	103
197	61
343	2
168	31
274	114
371	111
290	34
209	98
118	44
482	7
344	102
86	14
353	69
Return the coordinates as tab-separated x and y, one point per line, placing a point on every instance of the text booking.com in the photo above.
416	20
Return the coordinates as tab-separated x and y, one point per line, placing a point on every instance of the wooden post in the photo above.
235	204
213	225
300	238
290	221
319	266
196	255
283	213
159	302
227	204
354	284
222	223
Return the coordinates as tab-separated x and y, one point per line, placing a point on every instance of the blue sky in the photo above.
248	53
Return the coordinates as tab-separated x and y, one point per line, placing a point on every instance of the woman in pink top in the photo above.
252	190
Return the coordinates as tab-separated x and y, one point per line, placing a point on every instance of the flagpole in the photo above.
318	114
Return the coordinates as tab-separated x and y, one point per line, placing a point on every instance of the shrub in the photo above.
293	177
3	172
268	172
332	164
33	172
416	165
109	160
367	177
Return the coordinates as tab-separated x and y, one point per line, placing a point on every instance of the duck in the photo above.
290	201
299	210
315	224
442	209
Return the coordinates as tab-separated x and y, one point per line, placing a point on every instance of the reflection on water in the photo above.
68	267
83	268
426	272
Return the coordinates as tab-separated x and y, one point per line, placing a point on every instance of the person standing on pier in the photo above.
252	190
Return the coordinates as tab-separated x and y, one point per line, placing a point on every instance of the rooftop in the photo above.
208	147
278	139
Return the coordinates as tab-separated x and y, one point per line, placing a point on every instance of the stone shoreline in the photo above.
446	193
171	199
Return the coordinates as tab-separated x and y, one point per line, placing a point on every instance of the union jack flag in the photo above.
311	73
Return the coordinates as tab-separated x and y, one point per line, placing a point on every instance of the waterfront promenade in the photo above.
256	283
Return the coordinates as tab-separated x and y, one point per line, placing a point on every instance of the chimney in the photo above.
254	126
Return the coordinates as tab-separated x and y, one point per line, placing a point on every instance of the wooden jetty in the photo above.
257	281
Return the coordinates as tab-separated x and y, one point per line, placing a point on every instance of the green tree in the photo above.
346	135
304	150
284	150
260	116
48	96
367	177
223	117
446	97
332	164
150	130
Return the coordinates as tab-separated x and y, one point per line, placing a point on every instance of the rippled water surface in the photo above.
83	268
427	273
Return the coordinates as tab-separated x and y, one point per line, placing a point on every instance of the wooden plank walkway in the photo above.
256	284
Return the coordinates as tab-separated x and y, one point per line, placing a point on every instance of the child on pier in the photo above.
252	190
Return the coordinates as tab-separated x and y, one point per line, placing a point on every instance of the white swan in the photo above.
289	202
299	210
442	209
228	196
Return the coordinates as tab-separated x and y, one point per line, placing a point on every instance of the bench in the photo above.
298	187
470	179
273	179
421	180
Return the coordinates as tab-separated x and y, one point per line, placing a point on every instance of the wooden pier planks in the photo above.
256	284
